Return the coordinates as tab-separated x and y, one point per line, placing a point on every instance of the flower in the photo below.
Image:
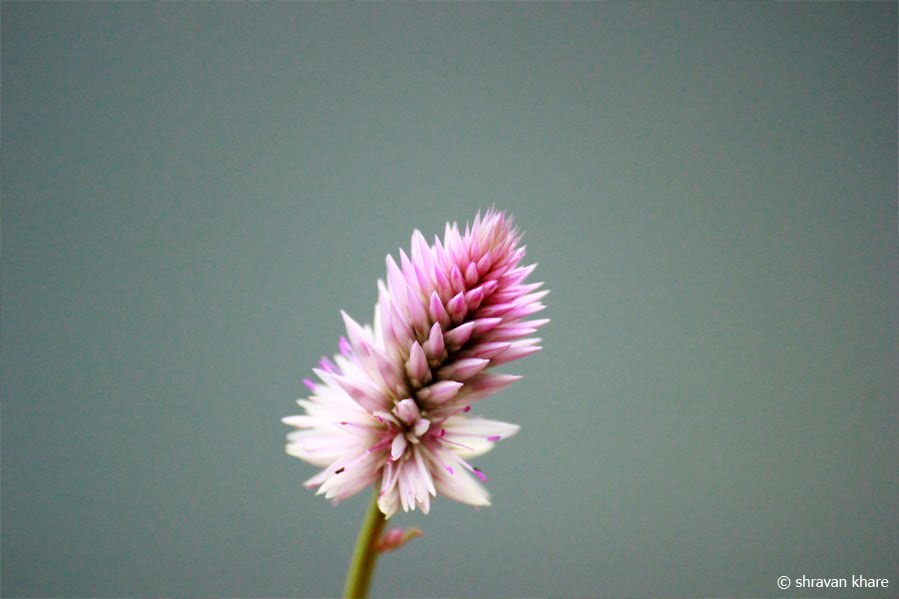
392	407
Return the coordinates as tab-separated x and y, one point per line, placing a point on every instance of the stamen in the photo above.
471	468
476	435
358	458
480	474
355	425
435	455
451	414
387	417
379	445
456	443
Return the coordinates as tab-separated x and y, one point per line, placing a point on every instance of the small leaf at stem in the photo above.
395	538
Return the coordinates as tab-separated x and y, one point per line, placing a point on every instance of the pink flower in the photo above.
392	408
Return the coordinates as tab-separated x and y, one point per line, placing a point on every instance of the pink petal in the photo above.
457	280
484	385
483	325
473	298
417	366
485	263
362	393
408	411
439	392
461	370
457	308
456	337
434	347
487	350
444	287
408	271
518	349
471	274
517	275
437	312
395	280
417	313
421	252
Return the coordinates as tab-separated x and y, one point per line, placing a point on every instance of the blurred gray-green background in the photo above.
191	192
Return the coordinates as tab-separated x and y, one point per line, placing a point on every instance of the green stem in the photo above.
358	577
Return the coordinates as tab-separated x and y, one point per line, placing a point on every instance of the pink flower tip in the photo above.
345	347
392	408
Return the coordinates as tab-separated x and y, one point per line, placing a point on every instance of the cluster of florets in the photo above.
392	408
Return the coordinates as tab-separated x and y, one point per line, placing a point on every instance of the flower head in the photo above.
392	408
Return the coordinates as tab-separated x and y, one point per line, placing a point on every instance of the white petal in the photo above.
460	486
422	470
388	479
348	477
405	490
398	446
477	435
300	421
389	502
421	426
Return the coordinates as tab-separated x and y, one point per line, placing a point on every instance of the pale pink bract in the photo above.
392	407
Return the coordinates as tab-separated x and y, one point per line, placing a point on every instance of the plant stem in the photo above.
358	577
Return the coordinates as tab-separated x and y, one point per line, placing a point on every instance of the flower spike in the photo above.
392	408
